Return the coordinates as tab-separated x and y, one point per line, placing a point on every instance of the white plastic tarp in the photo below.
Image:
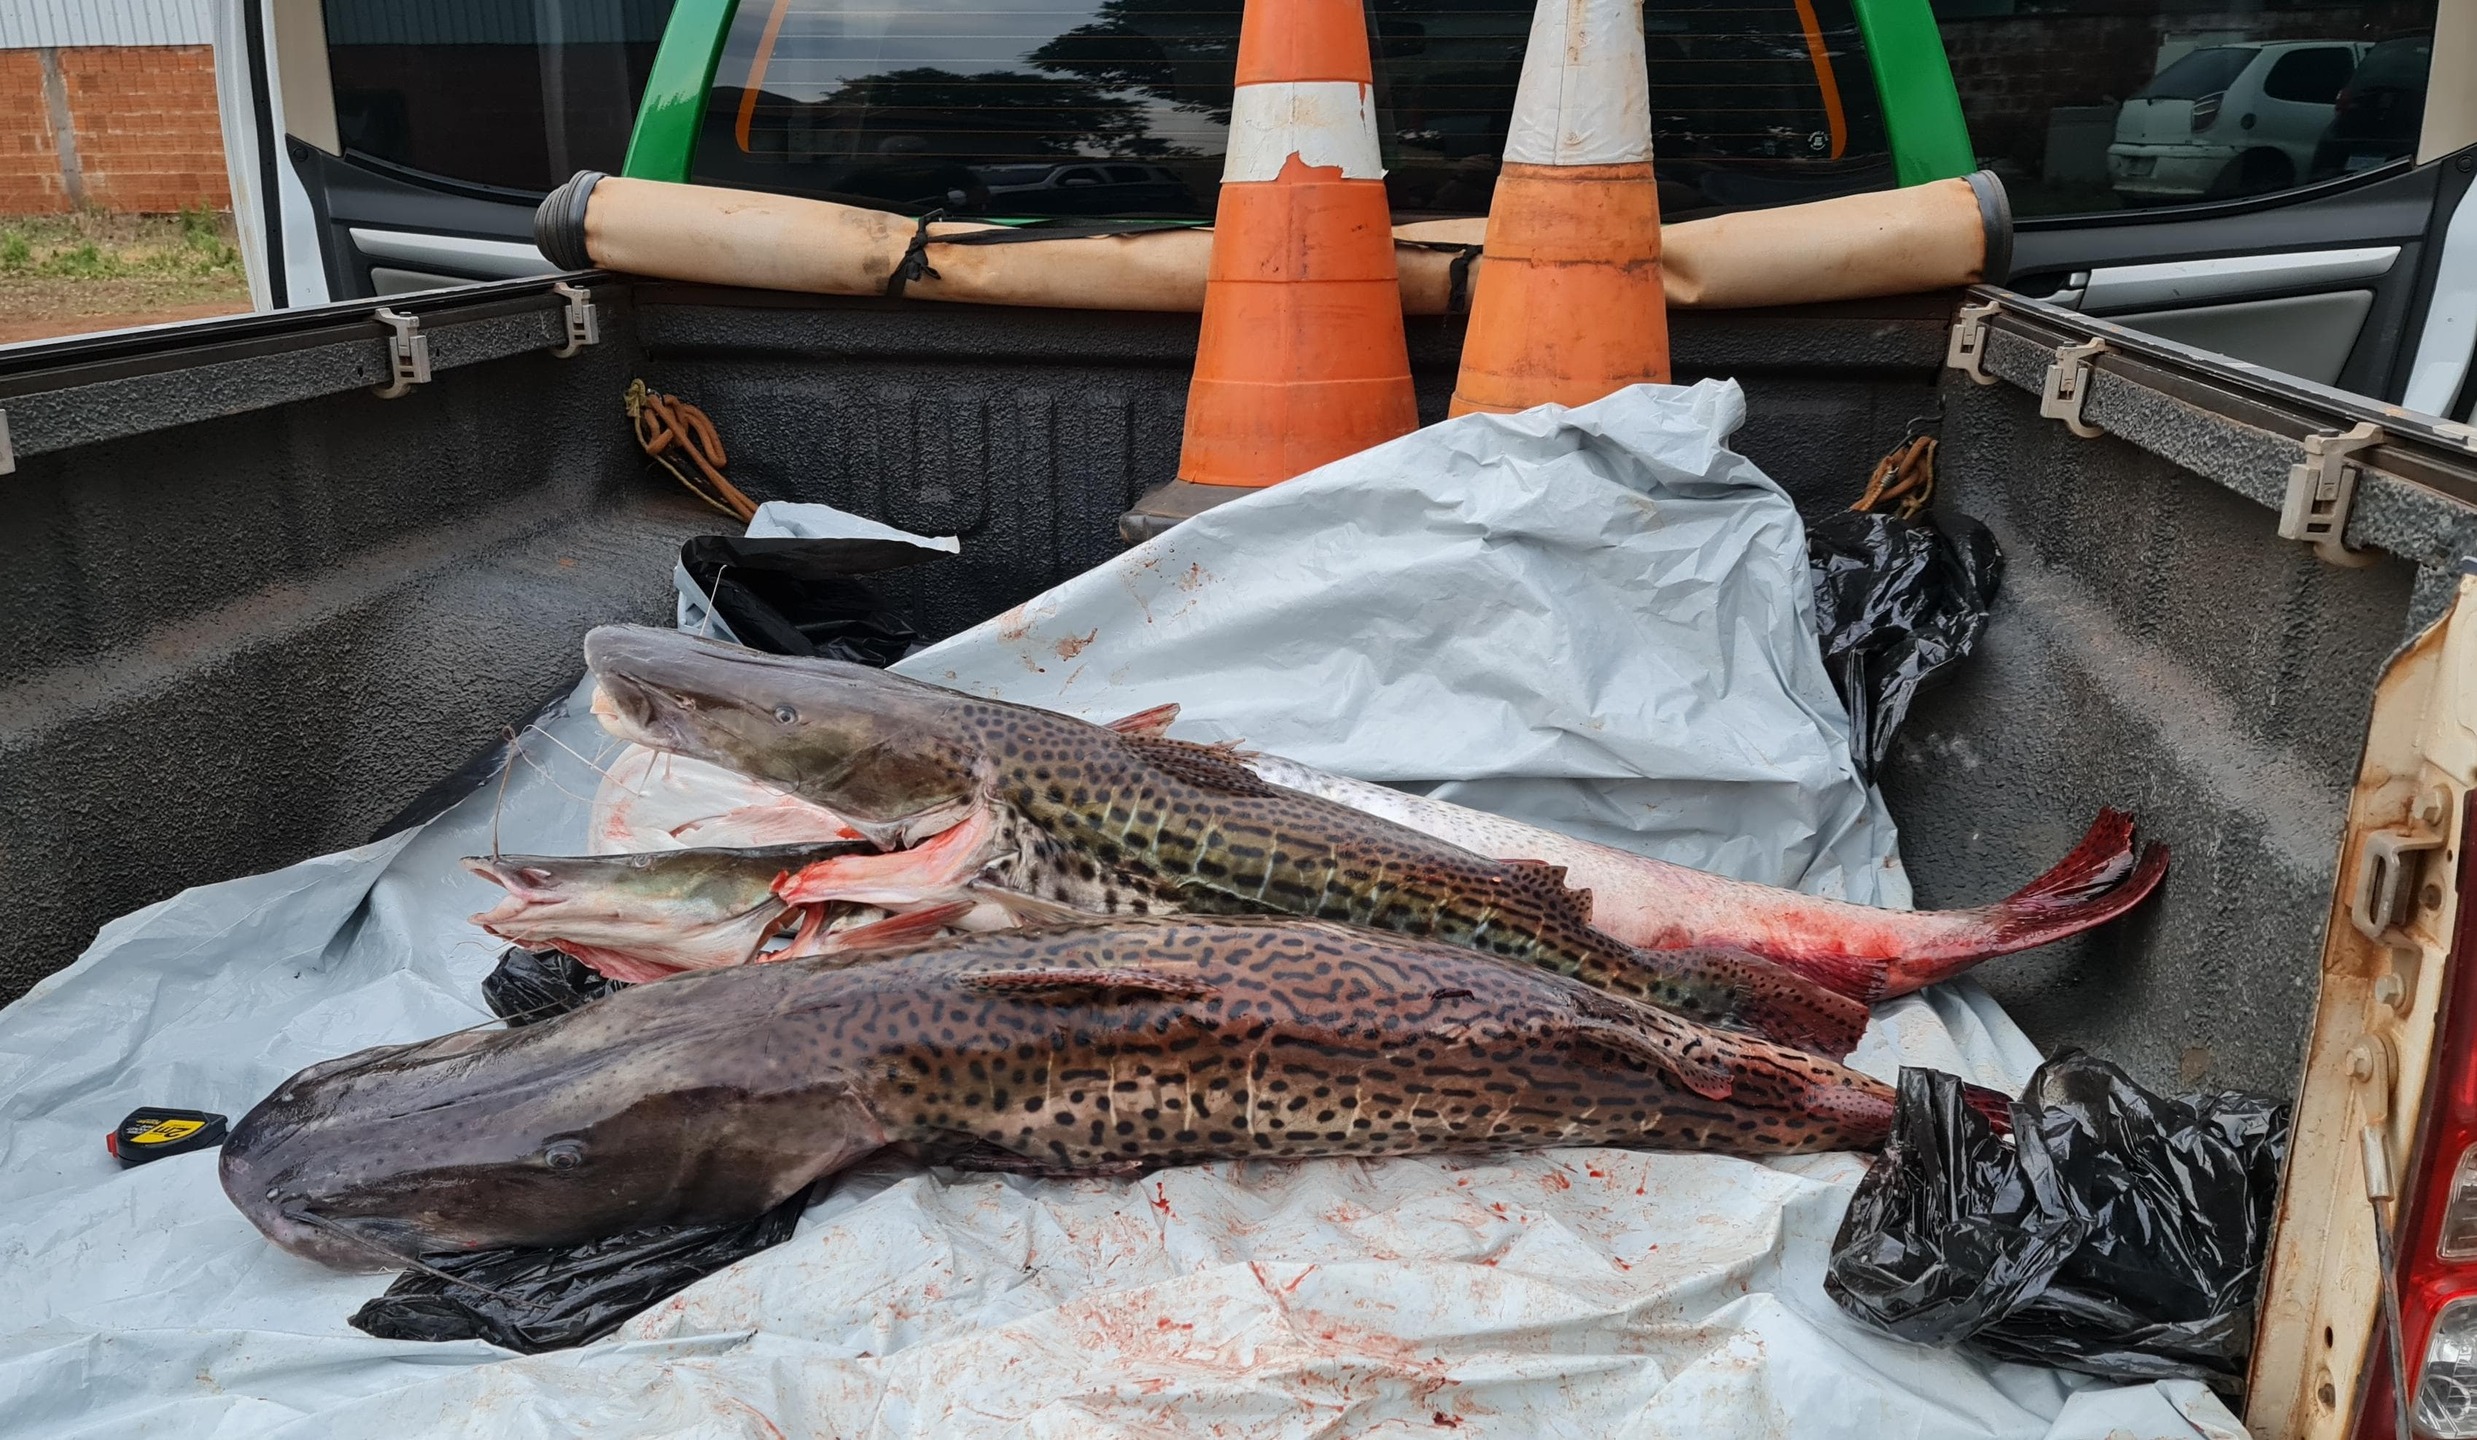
1595	619
1574	1292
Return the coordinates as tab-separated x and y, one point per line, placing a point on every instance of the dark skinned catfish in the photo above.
1104	1049
1101	821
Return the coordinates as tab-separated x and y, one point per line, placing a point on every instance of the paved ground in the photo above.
74	274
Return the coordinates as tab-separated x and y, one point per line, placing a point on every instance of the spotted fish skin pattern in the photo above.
1127	824
1132	824
1086	1050
1125	1046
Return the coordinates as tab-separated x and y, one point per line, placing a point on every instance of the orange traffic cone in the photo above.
1569	307
1302	359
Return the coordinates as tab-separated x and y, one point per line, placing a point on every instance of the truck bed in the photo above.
261	611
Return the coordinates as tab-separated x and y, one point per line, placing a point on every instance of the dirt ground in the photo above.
75	274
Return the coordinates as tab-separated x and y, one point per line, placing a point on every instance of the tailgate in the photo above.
2398	487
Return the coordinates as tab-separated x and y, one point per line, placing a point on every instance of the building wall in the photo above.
25	24
144	134
29	164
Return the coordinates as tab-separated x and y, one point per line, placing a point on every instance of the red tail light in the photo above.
2438	1225
2206	111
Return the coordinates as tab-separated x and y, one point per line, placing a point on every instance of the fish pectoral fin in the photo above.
1029	909
909	928
1084	986
901	877
912	927
1154	723
1687	1051
1207	767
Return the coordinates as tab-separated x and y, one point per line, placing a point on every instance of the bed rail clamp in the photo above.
408	353
2322	490
2068	386
583	320
1967	350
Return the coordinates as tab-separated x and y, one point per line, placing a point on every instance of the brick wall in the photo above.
144	130
29	165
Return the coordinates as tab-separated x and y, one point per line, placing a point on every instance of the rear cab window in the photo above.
490	94
1004	113
2086	107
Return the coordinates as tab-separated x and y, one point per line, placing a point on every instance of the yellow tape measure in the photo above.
152	1134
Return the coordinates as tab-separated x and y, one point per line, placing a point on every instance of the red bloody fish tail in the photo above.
2102	879
1860	977
1993	1106
2102	858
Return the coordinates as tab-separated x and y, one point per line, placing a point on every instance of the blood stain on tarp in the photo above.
1073	645
1161	1202
1194	579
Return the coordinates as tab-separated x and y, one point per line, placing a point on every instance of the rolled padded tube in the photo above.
1935	236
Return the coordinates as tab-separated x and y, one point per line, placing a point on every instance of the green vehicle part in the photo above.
1913	81
667	120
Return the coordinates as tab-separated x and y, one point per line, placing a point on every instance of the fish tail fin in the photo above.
2102	878
2102	858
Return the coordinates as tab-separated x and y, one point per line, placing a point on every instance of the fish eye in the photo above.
786	714
564	1155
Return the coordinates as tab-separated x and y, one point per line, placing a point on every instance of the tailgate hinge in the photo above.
584	322
2068	385
408	353
2322	488
2381	901
1967	350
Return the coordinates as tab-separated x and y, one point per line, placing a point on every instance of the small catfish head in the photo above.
896	758
600	1121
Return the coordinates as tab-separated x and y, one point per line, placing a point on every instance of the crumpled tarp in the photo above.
1597	619
1572	1292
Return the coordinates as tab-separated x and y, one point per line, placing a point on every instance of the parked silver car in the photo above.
2229	120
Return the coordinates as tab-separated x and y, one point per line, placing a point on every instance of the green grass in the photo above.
193	245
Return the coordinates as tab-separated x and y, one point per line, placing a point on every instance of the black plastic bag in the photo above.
1897	601
536	1300
530	986
2119	1234
798	597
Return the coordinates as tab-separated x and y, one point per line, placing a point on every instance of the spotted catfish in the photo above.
1104	1049
1058	812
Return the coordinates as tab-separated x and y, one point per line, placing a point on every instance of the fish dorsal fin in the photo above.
1207	767
1153	724
1694	1055
1547	882
1068	987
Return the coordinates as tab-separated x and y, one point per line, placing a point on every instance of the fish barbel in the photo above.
1103	1049
1083	817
